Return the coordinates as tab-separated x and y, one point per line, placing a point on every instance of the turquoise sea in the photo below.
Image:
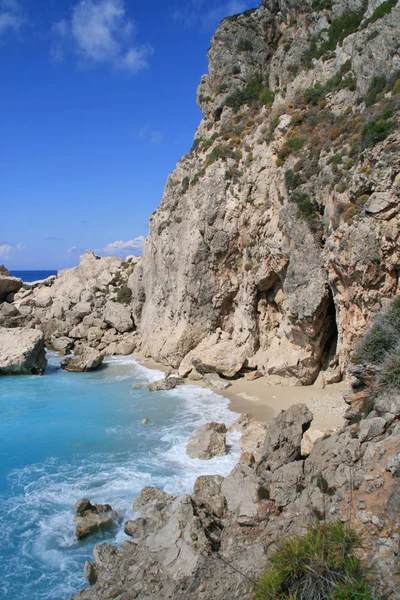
64	436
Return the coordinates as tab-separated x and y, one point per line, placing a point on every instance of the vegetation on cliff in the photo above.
322	564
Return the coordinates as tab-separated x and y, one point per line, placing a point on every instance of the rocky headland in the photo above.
275	245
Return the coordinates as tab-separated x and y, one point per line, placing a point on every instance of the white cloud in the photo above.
7	249
121	248
99	31
11	16
208	13
74	250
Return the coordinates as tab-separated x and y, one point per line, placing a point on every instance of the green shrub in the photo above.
377	86
245	46
292	180
375	131
383	9
267	97
255	93
220	152
305	206
381	339
320	565
124	295
339	29
390	375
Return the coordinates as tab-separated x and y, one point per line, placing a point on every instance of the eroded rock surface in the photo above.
208	441
22	352
87	359
213	543
90	518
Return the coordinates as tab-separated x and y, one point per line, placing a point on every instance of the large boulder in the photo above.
118	316
208	441
9	285
22	351
282	444
87	360
168	383
90	518
216	354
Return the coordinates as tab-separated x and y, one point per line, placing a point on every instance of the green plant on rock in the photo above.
245	45
376	131
381	339
320	565
255	93
124	295
220	153
382	10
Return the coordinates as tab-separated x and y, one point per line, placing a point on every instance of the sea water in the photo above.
65	436
32	275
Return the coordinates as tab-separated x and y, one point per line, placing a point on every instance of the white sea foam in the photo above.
37	520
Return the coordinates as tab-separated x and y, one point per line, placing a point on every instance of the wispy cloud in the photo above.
208	13
150	135
121	248
100	32
7	249
75	251
11	16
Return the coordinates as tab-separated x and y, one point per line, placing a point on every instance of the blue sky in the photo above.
97	105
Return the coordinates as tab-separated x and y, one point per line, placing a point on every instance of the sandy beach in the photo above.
264	401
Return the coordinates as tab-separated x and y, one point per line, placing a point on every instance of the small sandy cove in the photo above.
264	401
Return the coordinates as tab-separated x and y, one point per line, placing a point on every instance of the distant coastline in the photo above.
33	275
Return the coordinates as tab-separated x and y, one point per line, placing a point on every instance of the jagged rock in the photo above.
253	438
208	441
61	344
371	428
88	359
215	381
168	383
282	442
309	438
253	375
207	492
90	572
150	495
216	354
22	351
118	316
8	285
90	518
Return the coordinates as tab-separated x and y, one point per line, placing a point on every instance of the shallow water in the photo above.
65	436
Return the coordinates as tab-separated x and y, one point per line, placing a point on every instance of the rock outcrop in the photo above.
90	518
86	306
208	441
213	543
22	352
87	359
8	285
277	237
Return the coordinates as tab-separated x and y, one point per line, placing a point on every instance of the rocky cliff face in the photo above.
277	237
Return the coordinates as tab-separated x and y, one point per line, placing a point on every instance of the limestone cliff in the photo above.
277	237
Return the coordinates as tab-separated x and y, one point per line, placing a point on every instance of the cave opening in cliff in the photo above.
329	357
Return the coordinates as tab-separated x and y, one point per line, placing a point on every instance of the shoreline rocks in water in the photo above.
208	441
22	352
86	359
212	544
90	518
